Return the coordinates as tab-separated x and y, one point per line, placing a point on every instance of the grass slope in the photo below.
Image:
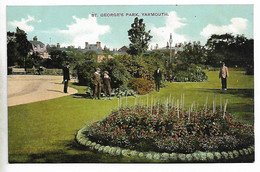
44	131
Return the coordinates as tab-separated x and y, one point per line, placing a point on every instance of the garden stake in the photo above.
172	101
220	103
191	107
178	108
126	100
189	115
213	106
183	100
118	103
206	104
147	104
225	108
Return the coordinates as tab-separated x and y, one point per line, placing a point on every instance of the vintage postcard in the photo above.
130	83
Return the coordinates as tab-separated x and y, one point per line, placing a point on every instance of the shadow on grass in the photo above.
75	153
72	153
81	96
237	92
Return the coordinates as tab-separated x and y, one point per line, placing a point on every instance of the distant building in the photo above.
175	49
123	49
38	46
93	47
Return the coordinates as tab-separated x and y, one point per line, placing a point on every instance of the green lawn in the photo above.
45	131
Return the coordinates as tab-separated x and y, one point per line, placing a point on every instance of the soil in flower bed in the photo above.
165	128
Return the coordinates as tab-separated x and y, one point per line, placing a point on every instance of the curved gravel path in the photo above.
24	89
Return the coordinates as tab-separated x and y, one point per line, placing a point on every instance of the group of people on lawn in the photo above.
96	80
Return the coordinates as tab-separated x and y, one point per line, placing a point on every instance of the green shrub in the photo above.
192	74
120	92
141	85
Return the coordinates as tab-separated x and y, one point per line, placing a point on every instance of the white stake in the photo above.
220	103
178	108
225	108
183	100
118	103
189	115
126	100
147	104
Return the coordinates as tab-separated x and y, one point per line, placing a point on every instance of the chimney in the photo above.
86	45
167	45
35	38
98	45
58	45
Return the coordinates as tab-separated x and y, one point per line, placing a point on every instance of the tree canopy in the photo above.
138	37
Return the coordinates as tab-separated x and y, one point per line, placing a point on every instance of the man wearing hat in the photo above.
107	86
66	77
223	74
97	84
158	78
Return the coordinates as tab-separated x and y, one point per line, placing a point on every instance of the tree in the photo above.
138	37
193	53
235	51
18	47
12	53
34	60
23	45
58	58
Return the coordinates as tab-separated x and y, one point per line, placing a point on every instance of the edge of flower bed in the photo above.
197	156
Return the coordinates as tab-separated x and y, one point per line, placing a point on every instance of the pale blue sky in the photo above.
72	25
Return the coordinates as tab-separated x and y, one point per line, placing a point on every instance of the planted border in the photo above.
197	156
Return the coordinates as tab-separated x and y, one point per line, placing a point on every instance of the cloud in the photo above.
83	30
161	35
24	23
237	26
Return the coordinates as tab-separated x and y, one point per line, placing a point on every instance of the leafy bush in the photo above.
117	72
141	85
163	128
120	92
192	74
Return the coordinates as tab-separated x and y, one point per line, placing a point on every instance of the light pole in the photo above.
170	40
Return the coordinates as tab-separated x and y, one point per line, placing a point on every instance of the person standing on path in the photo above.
157	78
96	79
107	86
66	77
223	74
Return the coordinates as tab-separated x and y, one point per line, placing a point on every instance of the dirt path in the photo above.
24	89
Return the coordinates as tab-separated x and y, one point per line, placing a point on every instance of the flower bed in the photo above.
163	131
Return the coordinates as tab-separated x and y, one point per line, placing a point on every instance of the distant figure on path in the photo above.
107	86
66	77
97	84
223	74
157	78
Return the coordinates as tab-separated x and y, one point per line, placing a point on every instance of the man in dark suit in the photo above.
157	78
96	80
66	77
